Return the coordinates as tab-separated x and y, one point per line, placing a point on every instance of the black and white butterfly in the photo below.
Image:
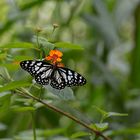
46	73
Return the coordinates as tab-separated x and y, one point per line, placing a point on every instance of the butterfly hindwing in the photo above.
57	81
43	77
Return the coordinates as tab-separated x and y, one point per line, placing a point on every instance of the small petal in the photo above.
48	58
58	53
54	56
58	59
52	52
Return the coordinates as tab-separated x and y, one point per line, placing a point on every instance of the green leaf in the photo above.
26	45
4	103
3	55
39	132
68	45
40	39
23	57
103	112
47	47
63	94
11	66
26	101
43	43
99	126
38	105
2	94
14	84
79	134
116	114
53	132
22	109
109	114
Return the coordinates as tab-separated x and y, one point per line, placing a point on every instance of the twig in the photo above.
98	133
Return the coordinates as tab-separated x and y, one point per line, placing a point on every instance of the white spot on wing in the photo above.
64	76
39	64
36	68
33	62
48	72
43	75
41	69
69	72
69	78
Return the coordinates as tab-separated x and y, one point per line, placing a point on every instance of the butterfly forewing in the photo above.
41	70
35	67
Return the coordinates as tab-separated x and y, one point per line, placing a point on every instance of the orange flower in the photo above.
54	56
56	52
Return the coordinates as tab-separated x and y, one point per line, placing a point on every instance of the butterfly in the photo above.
46	73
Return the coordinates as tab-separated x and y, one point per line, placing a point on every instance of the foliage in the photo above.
99	39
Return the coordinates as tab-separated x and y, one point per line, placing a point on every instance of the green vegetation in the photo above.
99	39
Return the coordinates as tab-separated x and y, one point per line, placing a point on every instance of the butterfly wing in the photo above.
70	77
40	70
57	81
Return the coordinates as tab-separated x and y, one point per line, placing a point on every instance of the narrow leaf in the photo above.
116	114
99	126
23	109
26	45
13	85
12	66
22	57
100	110
3	55
68	45
64	94
79	134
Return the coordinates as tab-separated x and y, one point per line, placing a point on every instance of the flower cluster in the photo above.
55	57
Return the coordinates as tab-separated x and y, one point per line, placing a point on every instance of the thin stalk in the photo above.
33	125
38	45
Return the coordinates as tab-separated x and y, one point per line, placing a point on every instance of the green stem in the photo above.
33	125
37	40
38	45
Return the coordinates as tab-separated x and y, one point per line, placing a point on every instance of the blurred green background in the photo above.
109	33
